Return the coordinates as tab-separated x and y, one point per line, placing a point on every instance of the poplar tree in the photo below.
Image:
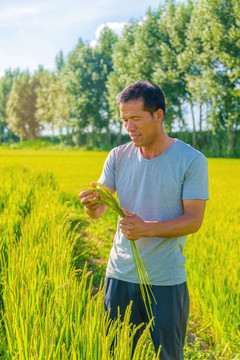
51	102
21	108
6	82
211	63
84	78
121	75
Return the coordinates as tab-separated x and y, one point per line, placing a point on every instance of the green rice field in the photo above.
49	308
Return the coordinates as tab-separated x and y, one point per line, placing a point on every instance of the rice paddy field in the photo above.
51	307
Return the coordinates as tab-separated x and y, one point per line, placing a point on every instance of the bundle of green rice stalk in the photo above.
105	197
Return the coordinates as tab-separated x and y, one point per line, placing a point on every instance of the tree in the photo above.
149	51
212	60
6	82
84	78
168	74
121	75
51	102
21	108
104	49
59	61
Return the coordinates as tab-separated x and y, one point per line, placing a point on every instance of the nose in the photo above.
130	125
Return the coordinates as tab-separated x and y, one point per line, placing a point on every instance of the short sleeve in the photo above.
195	184
107	177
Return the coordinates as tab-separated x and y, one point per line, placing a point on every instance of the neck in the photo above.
154	150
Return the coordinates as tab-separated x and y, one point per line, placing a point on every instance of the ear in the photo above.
158	114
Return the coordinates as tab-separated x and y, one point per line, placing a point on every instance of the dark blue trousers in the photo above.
170	313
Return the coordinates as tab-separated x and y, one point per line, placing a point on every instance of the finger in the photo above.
124	231
89	199
127	213
94	205
123	221
127	235
84	193
87	192
127	227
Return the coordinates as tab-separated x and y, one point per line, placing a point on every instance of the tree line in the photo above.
191	50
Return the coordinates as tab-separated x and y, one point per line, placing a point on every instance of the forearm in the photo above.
175	227
133	227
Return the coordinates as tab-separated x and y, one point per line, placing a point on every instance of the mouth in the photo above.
135	137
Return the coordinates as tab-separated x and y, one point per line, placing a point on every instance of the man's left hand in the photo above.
132	226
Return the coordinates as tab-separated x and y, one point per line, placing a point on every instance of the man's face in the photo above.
141	125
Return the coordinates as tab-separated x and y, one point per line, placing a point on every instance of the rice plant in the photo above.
105	197
48	310
212	254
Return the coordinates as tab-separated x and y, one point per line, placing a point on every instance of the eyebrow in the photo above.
132	117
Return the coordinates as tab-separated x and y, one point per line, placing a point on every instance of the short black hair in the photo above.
150	93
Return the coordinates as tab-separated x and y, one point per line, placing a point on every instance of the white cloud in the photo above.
142	21
116	27
93	43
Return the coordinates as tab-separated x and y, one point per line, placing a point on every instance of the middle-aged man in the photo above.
162	185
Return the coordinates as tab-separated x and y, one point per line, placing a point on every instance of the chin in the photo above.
137	145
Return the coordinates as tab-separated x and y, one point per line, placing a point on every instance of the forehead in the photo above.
132	107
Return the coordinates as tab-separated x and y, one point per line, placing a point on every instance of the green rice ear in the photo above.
106	197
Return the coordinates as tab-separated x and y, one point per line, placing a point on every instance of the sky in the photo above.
32	32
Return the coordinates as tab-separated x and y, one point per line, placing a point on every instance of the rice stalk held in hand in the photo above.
105	197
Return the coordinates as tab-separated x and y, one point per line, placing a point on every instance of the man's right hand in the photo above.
89	199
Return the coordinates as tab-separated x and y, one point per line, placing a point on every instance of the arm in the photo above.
94	209
133	227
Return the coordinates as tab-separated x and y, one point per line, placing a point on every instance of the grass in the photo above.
71	168
48	310
213	265
212	254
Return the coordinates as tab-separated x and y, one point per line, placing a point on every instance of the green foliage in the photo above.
84	78
212	64
51	102
60	62
21	107
6	82
121	76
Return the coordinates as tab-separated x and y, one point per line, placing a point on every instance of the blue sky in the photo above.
33	32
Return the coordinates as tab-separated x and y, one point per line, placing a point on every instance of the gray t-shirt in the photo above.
154	190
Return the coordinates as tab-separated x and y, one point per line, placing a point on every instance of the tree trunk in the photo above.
231	141
108	136
181	122
52	133
200	117
119	134
194	126
88	136
200	124
78	137
1	133
68	136
93	138
61	134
